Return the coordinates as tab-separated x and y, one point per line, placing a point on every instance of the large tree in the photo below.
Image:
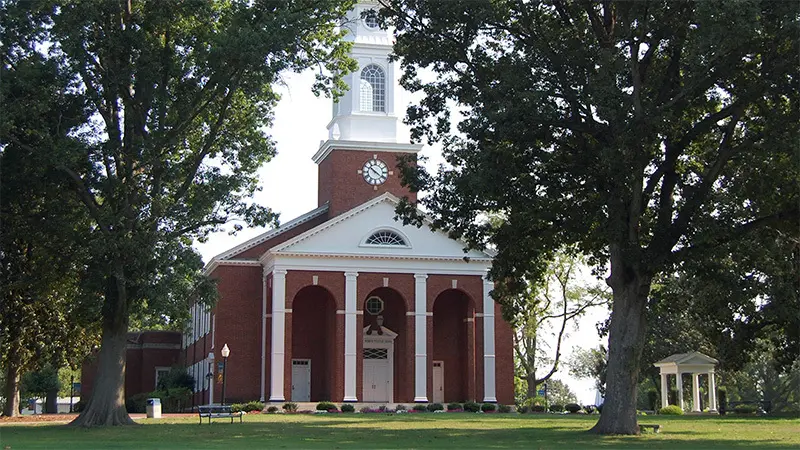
646	133
179	96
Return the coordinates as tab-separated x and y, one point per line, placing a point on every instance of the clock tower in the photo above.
359	160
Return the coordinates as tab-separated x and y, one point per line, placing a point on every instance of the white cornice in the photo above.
265	237
365	146
228	262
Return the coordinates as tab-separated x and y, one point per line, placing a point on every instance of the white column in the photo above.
278	334
420	337
664	390
712	393
489	393
679	384
696	392
212	380
350	335
263	332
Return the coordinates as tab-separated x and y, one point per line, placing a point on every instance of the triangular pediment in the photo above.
348	233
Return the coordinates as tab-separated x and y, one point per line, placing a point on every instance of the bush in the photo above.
326	406
573	408
556	408
272	409
589	409
348	408
488	407
671	410
745	409
454	407
237	407
177	377
503	408
419	407
290	407
400	408
253	406
523	409
652	399
537	408
435	407
472	407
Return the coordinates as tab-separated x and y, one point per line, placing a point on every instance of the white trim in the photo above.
385	340
377	265
314	213
405	238
328	146
420	337
489	388
263	334
157	369
350	336
278	335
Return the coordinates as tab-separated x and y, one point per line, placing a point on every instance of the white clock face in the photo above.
375	172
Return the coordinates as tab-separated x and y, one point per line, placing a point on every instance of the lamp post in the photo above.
225	353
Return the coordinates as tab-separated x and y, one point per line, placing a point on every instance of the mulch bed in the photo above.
37	418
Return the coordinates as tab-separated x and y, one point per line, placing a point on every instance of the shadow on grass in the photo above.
369	432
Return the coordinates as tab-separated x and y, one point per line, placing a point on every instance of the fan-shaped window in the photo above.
373	89
386	237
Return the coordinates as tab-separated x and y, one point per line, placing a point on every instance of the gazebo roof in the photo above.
690	358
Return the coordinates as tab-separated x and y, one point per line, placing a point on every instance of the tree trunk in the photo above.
12	389
51	402
625	343
531	379
106	407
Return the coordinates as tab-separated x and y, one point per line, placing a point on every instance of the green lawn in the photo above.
410	431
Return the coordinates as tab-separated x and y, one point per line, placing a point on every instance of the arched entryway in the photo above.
453	356
385	357
313	344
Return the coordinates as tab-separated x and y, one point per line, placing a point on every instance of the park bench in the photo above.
217	412
653	426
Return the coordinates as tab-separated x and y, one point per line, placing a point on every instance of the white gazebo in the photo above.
695	363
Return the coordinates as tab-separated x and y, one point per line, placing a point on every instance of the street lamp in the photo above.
225	353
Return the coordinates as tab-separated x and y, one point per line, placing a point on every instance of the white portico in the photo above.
696	364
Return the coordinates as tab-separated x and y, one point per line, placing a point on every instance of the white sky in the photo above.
289	184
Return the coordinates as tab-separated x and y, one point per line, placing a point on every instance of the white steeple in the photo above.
367	111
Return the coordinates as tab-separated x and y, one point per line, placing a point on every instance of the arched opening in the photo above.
372	87
313	332
389	372
453	356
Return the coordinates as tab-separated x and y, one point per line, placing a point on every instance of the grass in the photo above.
410	431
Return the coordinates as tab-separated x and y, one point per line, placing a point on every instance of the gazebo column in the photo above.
696	392
679	386
712	393
664	390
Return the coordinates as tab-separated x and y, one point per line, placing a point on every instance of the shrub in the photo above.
573	408
253	406
589	409
523	409
488	407
745	409
365	409
382	408
177	377
348	408
537	408
454	407
419	407
671	410
556	408
272	409
237	407
290	407
472	407
400	408
722	395
652	399
435	407
503	408
326	406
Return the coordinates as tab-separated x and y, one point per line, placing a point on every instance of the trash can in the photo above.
153	408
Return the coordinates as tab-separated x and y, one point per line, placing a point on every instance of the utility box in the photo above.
153	408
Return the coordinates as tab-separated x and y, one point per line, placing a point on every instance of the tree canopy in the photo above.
179	98
647	134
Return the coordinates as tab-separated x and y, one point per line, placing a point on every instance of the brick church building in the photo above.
344	303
